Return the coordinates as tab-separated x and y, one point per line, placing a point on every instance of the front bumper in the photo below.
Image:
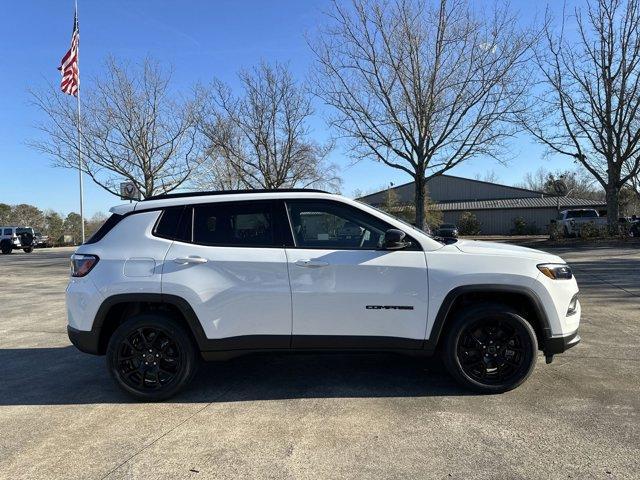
85	341
555	345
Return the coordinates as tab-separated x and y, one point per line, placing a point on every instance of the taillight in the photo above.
82	264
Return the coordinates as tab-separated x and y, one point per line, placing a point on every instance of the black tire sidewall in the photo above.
28	250
505	314
188	355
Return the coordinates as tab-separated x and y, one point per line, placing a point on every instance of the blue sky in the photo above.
200	40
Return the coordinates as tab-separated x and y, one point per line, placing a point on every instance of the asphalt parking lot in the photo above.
310	416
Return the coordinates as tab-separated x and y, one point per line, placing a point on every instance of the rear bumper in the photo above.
555	345
85	341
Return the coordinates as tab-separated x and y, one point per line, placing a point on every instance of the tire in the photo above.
5	248
159	373
490	349
28	249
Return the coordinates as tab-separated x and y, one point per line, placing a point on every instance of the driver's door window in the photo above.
330	225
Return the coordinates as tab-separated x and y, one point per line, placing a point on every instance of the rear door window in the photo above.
168	223
240	224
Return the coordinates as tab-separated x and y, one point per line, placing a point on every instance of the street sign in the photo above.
129	191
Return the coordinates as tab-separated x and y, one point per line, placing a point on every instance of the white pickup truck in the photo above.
571	221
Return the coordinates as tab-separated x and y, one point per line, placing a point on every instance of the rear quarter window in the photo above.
106	227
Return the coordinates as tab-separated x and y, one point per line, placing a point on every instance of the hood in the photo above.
491	248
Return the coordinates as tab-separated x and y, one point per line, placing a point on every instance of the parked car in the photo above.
571	221
16	238
447	230
634	229
179	277
41	241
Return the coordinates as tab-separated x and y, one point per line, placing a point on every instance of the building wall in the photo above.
445	188
500	221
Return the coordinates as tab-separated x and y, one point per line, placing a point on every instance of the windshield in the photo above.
447	225
404	222
582	214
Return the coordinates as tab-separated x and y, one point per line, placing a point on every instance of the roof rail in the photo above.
228	192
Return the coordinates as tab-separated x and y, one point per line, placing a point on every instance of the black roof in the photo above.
228	192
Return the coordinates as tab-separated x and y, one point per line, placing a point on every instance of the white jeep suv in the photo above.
181	276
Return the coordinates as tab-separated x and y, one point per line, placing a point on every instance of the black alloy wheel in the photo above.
491	349
151	357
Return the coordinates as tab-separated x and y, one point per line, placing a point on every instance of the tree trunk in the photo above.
420	184
612	208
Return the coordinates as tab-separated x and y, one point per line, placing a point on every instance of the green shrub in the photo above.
468	224
590	230
556	232
521	227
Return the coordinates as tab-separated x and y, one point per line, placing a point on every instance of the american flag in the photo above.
69	63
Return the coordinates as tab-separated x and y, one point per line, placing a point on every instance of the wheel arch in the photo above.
116	309
523	299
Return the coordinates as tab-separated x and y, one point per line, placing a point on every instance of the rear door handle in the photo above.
311	263
186	260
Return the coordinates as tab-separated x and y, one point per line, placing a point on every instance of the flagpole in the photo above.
80	168
80	143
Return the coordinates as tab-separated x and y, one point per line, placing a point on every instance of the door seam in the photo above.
286	256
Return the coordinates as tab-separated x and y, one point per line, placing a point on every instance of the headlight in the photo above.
556	271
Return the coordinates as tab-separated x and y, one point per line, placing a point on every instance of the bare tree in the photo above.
579	183
634	181
421	88
489	176
217	173
133	129
261	137
589	107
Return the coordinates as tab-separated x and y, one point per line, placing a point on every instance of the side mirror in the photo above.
394	240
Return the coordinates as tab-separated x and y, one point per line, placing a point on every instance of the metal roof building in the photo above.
495	206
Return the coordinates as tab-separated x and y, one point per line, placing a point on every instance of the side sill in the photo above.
332	342
224	355
227	348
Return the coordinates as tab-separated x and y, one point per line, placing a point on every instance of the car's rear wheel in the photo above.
5	247
28	249
490	349
151	356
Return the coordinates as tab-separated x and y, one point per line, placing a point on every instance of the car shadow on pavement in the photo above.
61	376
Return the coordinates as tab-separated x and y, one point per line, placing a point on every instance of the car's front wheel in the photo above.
151	356
490	348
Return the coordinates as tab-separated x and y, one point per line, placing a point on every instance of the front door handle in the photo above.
193	259
311	263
